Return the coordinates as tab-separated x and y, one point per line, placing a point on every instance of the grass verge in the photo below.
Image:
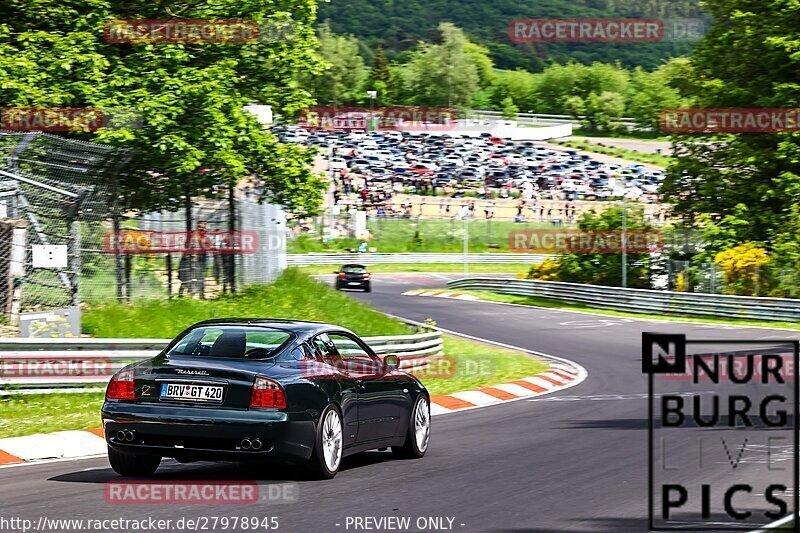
26	414
510	268
645	135
293	296
631	155
570	306
477	365
424	235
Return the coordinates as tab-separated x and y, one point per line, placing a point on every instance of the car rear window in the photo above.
354	270
251	342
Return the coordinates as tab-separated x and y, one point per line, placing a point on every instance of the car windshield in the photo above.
231	341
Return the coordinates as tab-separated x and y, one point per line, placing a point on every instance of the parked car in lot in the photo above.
472	162
338	163
263	390
353	277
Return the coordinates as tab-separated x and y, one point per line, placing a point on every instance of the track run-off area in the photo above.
573	461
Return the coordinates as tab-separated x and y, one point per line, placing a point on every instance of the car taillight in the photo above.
267	393
342	275
121	386
367	276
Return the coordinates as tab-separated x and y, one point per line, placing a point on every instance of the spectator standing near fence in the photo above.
199	281
185	274
489	210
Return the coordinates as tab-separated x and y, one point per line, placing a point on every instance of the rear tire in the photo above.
131	465
419	431
368	288
327	455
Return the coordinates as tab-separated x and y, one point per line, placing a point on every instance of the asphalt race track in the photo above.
540	465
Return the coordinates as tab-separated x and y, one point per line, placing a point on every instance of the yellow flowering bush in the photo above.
744	270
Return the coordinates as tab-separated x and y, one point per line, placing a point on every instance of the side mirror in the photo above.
335	271
391	363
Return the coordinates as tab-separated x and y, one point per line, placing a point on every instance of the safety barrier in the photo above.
643	300
409	258
58	363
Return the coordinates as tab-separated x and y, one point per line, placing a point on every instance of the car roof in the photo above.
295	326
354	265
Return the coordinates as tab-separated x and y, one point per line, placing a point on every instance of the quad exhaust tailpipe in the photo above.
246	444
256	443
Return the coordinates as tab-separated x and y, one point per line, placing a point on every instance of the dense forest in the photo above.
399	26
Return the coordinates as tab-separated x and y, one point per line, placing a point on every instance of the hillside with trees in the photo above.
399	26
455	72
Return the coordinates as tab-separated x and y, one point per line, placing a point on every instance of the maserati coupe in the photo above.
263	390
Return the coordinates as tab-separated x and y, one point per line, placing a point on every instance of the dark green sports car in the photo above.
261	389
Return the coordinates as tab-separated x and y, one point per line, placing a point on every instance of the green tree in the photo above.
599	111
648	94
603	110
558	83
190	97
785	263
748	59
444	74
380	78
343	79
508	109
518	85
603	268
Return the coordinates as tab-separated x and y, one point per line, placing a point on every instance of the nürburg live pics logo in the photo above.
723	434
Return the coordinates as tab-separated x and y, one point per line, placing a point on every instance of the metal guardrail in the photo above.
543	118
406	258
643	300
49	363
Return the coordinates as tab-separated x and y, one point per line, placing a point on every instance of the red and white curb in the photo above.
440	294
560	376
58	445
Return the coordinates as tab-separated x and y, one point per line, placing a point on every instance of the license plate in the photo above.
199	393
354	283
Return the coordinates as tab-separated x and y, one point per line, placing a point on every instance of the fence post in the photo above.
168	258
232	229
13	248
466	245
75	255
128	278
713	268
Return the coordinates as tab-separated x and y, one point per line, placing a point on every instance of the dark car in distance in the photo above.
263	390
353	276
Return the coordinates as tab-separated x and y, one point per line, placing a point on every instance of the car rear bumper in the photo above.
207	433
352	284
